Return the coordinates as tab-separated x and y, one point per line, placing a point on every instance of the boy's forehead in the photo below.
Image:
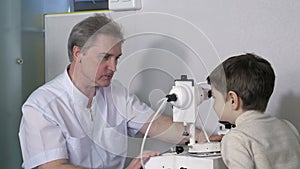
214	90
212	87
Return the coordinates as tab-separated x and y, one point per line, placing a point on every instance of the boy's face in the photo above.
221	106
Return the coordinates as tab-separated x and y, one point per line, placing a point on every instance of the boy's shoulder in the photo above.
260	126
290	125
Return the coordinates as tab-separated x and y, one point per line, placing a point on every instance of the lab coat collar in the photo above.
79	98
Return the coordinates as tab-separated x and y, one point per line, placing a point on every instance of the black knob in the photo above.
179	149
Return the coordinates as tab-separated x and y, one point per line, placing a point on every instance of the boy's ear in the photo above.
234	100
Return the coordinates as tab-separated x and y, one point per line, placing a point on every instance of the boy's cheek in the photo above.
220	115
220	110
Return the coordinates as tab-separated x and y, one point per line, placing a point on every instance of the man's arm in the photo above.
163	128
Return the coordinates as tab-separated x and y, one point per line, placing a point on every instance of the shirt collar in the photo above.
78	97
248	115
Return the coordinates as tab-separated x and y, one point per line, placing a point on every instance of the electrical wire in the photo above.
162	106
202	125
198	115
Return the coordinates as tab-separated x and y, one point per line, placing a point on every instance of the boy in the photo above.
241	87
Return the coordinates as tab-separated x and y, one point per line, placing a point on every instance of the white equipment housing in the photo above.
183	161
188	97
199	155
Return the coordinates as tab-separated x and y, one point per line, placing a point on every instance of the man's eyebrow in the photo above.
109	54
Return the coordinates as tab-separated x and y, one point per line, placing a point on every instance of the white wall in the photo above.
267	28
172	37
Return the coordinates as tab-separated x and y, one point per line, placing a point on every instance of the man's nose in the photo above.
112	64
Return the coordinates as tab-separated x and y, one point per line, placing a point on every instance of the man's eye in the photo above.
103	57
106	57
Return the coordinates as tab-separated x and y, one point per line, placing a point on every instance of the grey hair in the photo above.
83	33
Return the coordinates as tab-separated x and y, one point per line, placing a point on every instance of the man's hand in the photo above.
136	162
212	138
216	137
58	164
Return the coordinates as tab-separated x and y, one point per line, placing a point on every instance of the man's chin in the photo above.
103	84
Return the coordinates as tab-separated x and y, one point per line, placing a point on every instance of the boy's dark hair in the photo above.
251	77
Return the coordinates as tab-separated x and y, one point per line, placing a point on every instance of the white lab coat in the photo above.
57	125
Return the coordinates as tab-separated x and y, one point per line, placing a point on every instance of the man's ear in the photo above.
76	54
234	100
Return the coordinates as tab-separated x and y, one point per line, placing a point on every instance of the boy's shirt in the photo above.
262	142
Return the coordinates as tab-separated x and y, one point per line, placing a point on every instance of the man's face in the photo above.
99	62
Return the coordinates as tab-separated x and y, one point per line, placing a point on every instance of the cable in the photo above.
198	113
202	125
162	106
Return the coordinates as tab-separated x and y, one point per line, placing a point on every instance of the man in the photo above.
81	119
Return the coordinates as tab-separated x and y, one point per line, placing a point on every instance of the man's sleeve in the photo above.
40	138
138	114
